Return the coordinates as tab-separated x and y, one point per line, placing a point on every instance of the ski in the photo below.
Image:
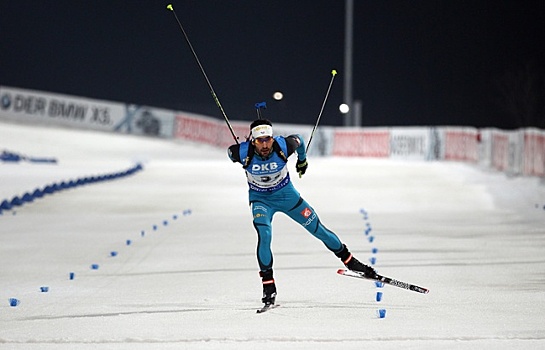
266	308
383	279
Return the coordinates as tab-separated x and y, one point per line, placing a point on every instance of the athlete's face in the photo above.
263	145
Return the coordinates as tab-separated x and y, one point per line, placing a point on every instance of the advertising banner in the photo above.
534	152
37	107
362	142
410	143
210	131
461	144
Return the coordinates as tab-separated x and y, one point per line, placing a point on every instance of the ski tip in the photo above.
341	271
420	290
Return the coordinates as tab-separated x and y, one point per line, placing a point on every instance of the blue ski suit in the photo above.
271	191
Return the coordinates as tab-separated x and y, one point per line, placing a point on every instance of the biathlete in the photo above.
265	158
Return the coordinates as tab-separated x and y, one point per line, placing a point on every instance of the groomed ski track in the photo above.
188	279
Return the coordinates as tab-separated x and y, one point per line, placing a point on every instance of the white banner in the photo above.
48	108
410	143
142	120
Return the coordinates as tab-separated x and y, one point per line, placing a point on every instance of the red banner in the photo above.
461	145
362	143
534	153
209	131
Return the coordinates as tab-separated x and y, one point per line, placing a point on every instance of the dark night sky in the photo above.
416	62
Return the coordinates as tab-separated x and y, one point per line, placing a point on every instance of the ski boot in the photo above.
354	264
269	288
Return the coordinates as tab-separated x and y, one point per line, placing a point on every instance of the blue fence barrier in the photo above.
30	196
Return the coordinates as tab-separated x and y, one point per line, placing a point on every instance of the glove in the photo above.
301	166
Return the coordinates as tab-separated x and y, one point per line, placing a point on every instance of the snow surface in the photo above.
475	238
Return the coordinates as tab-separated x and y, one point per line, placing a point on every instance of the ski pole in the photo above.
333	73
214	96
